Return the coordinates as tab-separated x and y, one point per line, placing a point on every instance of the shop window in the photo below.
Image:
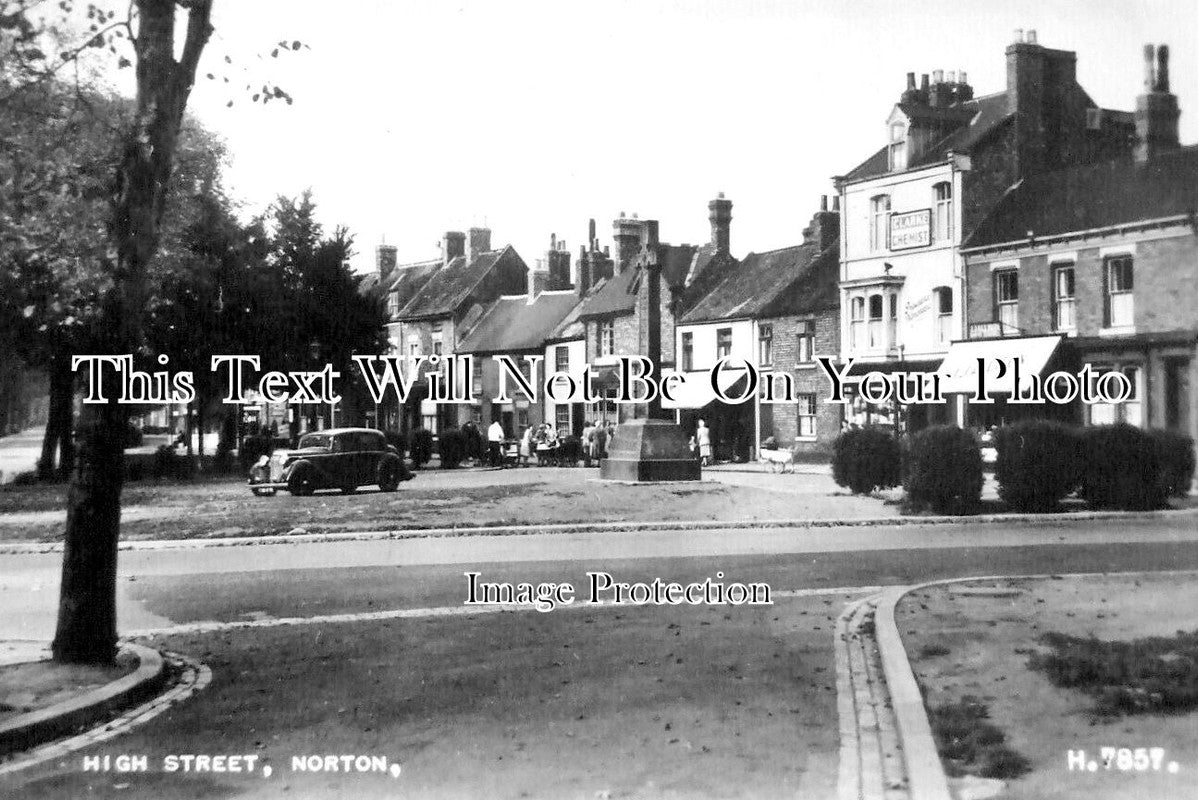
944	314
688	351
1130	410
805	347
806	415
879	232
1063	298
942	196
1006	299
723	343
1120	310
765	345
561	419
521	420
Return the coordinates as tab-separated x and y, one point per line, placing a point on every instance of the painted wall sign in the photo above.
911	229
917	308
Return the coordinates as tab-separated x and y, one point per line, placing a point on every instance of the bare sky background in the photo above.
413	117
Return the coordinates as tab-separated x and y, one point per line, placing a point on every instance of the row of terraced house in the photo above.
1028	222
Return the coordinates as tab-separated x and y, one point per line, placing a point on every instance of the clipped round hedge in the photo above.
866	459
1176	454
1039	463
1122	469
943	471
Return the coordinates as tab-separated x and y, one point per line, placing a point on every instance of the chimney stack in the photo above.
557	266
720	215
1048	106
386	256
824	228
626	239
480	241
1157	112
453	244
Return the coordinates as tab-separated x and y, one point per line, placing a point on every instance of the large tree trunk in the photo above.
87	600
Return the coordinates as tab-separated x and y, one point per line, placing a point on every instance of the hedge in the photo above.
943	471
1122	468
865	459
1039	463
1176	454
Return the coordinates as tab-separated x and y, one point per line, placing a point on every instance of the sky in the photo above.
413	117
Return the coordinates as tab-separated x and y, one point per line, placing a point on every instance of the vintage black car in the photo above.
339	458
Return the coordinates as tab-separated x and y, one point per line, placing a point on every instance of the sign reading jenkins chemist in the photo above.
911	229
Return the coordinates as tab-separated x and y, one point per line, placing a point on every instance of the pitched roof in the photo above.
792	280
617	295
977	118
408	279
450	285
677	264
571	326
512	323
1095	196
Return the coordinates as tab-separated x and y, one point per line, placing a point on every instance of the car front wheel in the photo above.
302	481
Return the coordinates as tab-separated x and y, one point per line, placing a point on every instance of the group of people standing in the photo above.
548	445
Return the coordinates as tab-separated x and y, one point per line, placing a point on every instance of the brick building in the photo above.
614	315
518	326
949	157
430	303
777	310
1098	265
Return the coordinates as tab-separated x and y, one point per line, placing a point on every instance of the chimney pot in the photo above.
937	76
910	81
1018	36
836	202
1031	36
923	84
964	79
1149	67
823	202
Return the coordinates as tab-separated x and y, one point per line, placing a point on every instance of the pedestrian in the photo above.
600	438
703	439
587	438
526	446
495	437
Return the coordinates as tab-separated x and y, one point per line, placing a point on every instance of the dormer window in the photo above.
898	146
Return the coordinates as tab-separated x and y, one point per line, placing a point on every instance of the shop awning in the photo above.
959	372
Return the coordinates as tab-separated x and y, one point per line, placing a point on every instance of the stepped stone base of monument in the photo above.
650	450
